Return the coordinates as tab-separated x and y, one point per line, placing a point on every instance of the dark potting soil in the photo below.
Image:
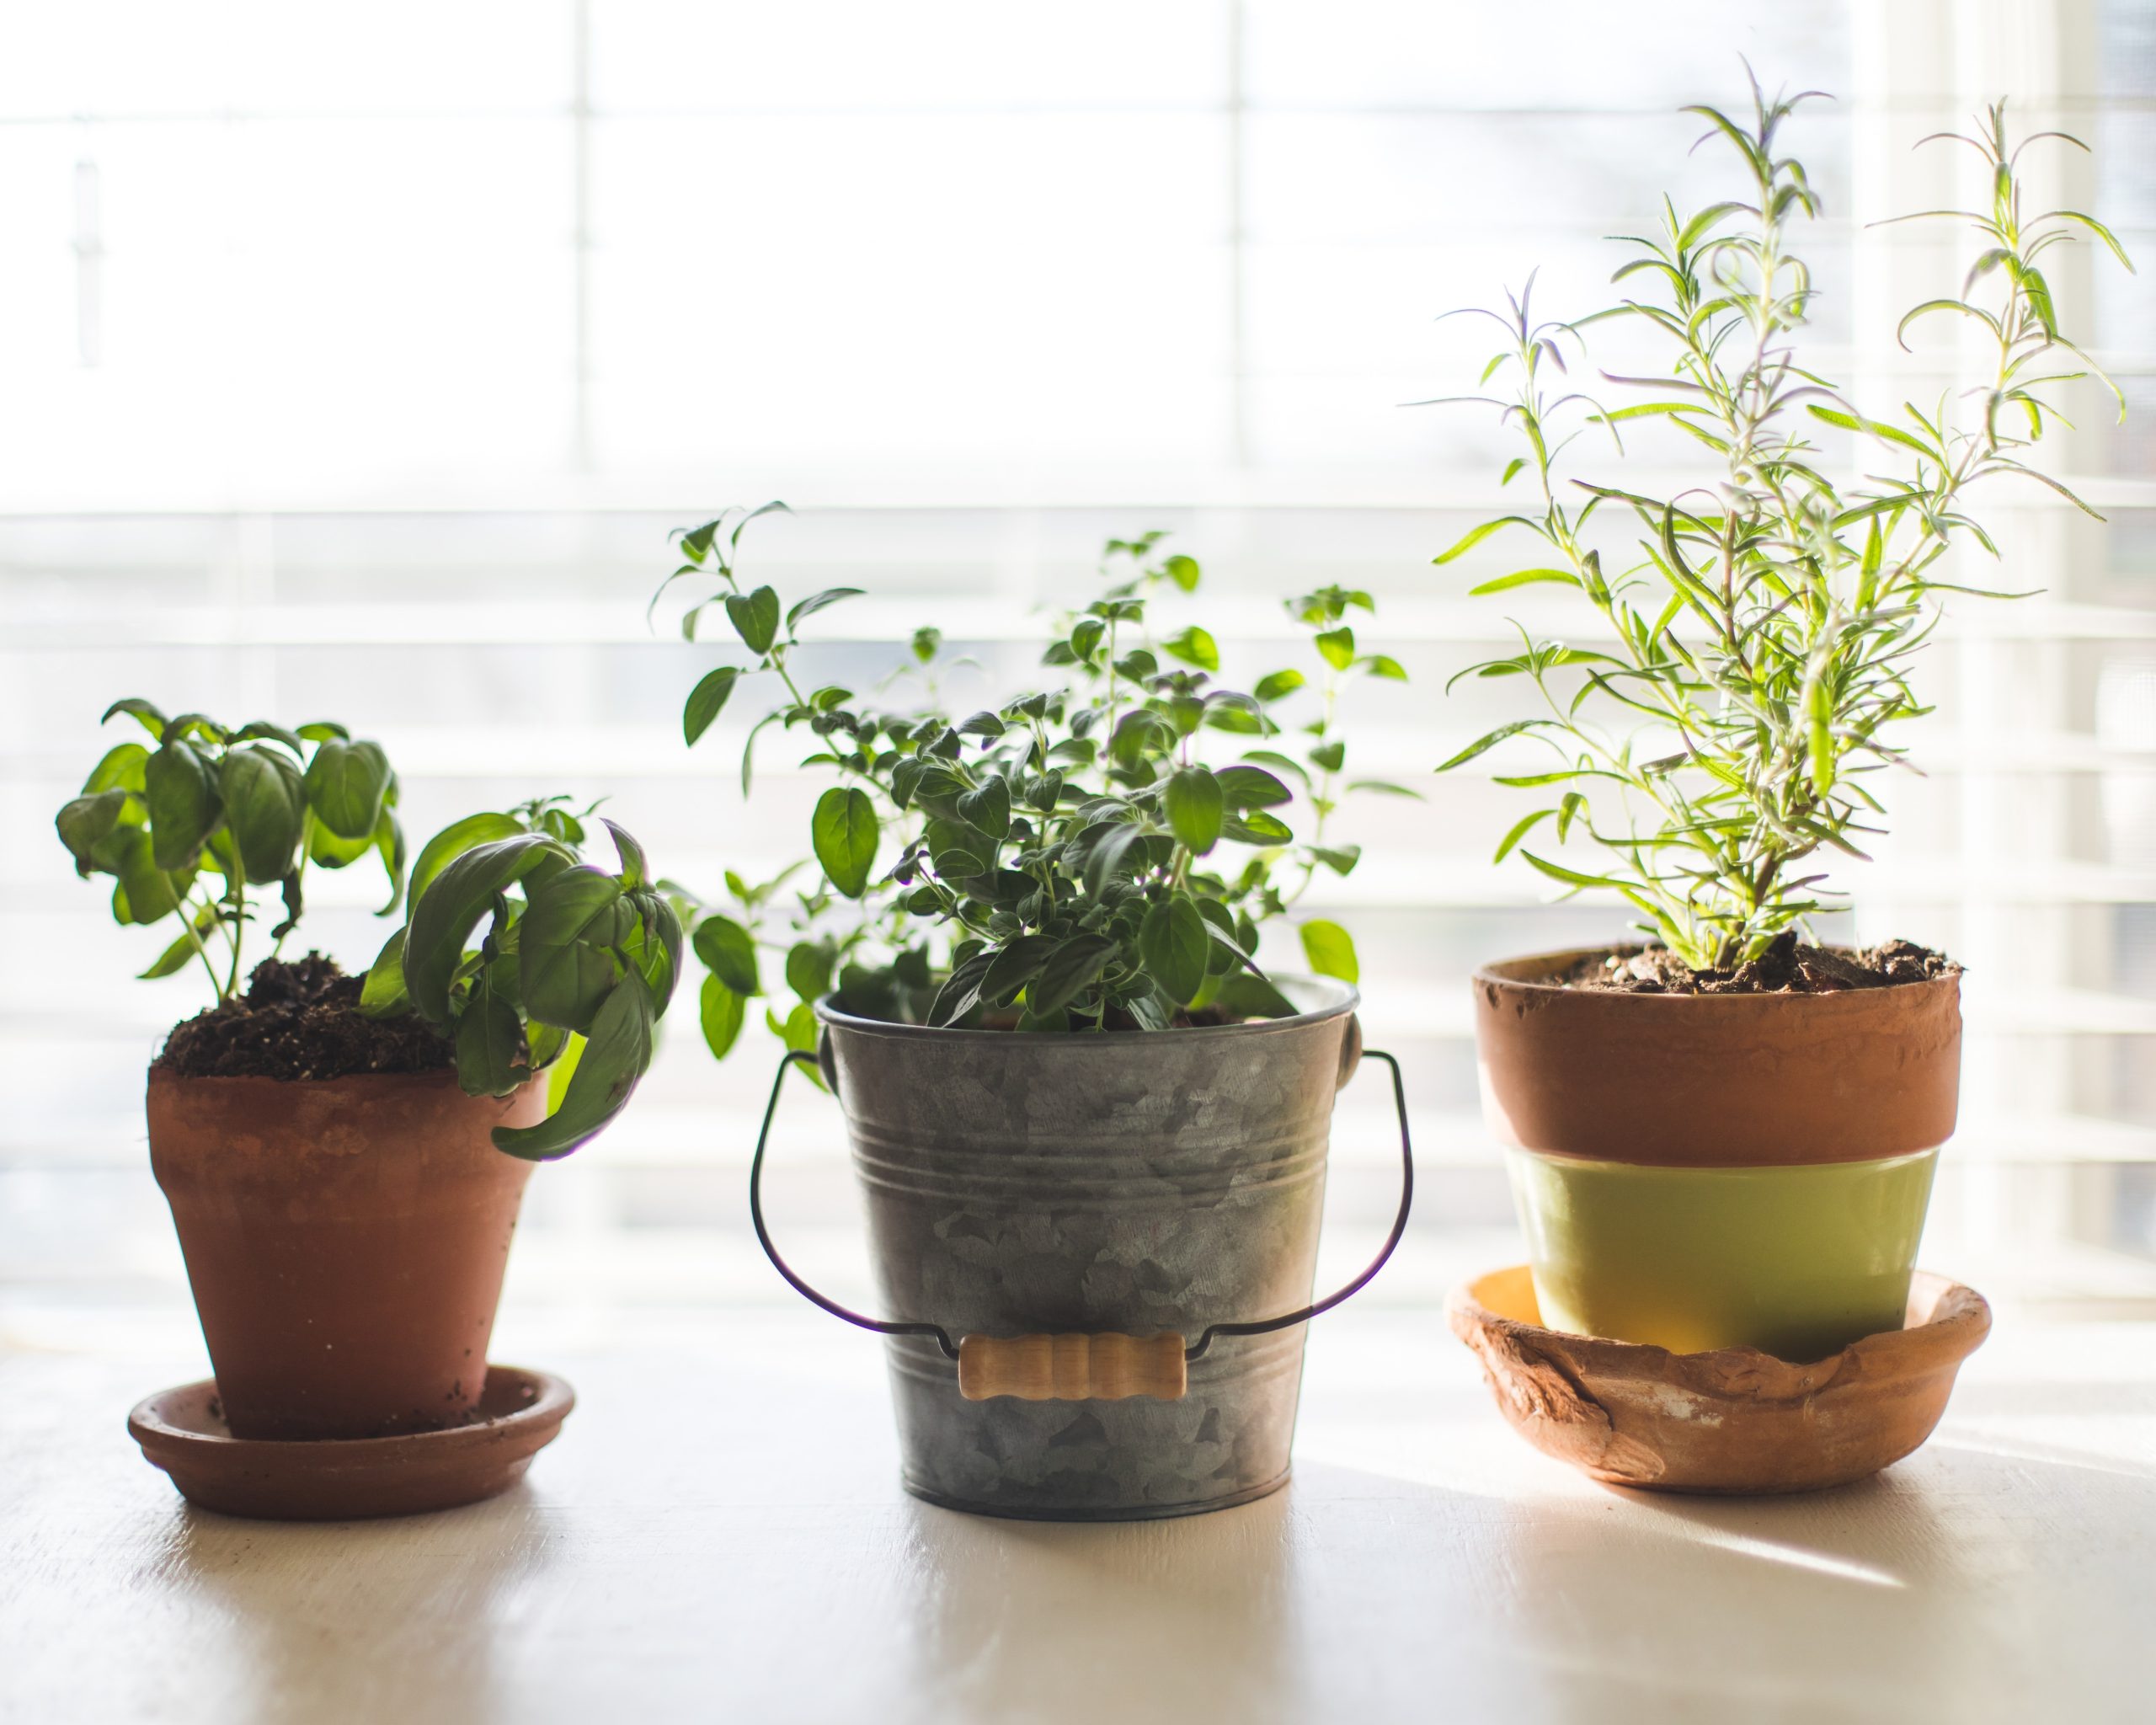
1786	967
300	1020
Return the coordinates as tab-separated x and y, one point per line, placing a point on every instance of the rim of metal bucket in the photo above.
1338	997
1343	1003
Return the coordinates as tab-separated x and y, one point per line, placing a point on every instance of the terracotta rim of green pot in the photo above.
1715	1080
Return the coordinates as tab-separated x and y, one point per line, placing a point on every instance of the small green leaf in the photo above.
1173	942
1193	801
633	867
988	807
1521	828
615	1057
382	993
443	914
453	842
808	969
1329	951
1013	967
145	894
818	602
754	617
264	802
121	768
1108	849
1524	577
567	968
1477	535
722	1012
87	821
843	833
181	953
490	1036
1193	646
141	712
1183	570
1254	826
1244	787
728	952
1068	971
1337	647
1490	739
705	700
346	784
181	796
1278	684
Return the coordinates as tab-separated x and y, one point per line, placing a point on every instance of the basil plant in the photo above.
1098	853
200	827
574	967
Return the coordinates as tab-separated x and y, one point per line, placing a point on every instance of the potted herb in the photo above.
1091	1129
331	1162
1726	1136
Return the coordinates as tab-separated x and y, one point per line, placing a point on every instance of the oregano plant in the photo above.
1757	637
1096	854
201	827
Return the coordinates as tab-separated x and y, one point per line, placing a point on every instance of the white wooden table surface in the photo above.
717	1534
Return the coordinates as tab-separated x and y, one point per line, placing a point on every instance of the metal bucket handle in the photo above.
1103	1366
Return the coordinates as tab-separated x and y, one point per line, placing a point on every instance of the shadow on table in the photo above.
311	1637
1955	1582
1190	1618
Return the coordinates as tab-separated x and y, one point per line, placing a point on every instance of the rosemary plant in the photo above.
1760	635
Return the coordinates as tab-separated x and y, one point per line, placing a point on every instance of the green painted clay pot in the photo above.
1718	1171
1797	1262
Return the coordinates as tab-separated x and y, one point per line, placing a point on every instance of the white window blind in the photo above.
361	370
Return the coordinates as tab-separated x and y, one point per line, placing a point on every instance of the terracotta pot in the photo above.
1731	1420
346	1240
1699	1172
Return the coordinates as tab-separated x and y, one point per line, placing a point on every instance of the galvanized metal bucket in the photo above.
1052	1188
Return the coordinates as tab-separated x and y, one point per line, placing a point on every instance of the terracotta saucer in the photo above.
1735	1420
181	1431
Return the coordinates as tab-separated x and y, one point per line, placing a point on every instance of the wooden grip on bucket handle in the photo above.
1077	1367
1104	1366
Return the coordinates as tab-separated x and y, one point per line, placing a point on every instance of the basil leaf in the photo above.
345	784
566	969
489	1037
453	840
616	1053
444	915
382	995
181	796
264	802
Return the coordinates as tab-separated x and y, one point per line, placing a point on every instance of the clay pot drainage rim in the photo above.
1734	1421
349	1479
